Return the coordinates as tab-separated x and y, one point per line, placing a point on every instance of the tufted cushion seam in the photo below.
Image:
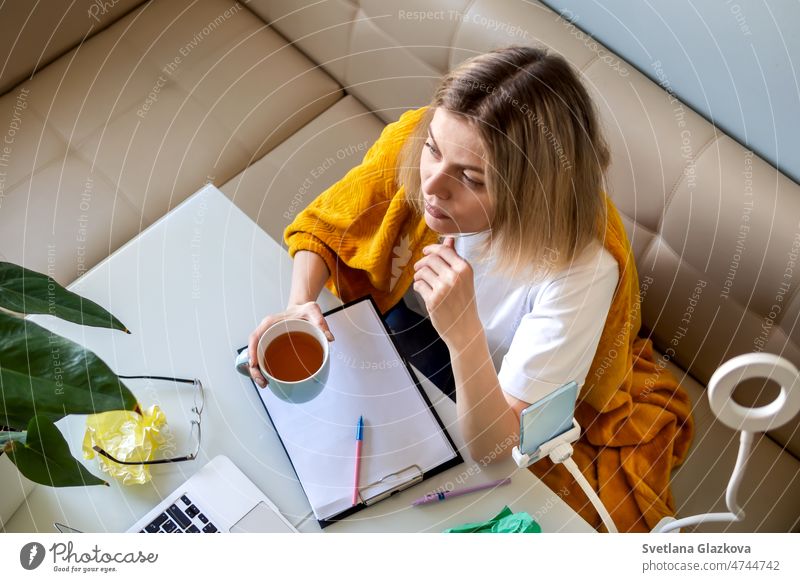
679	181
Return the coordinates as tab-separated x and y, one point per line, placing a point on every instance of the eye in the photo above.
433	150
473	182
435	154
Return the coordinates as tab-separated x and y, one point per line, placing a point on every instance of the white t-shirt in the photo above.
541	334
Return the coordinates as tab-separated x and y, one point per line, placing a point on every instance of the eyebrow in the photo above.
473	168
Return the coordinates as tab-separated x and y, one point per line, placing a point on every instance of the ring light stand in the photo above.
720	391
744	419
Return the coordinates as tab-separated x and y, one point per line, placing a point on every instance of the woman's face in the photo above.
452	170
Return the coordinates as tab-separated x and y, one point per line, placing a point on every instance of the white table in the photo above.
191	288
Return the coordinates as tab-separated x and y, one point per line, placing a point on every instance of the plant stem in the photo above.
12	313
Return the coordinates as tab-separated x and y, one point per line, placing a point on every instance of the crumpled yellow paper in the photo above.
128	436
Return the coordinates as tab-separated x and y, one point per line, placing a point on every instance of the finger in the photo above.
252	345
315	316
436	264
428	276
265	324
255	374
252	349
447	241
446	252
433	261
424	289
260	381
450	256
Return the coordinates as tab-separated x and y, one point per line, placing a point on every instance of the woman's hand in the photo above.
309	311
446	282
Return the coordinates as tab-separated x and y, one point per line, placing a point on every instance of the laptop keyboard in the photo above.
183	516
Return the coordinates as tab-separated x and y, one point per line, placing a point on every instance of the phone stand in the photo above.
559	449
525	460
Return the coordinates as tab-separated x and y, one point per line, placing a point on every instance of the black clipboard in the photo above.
407	477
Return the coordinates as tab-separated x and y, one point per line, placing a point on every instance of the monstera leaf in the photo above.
44	377
42	373
44	457
28	292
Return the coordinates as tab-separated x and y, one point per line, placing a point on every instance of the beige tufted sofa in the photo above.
132	106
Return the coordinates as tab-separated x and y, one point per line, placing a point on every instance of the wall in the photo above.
736	62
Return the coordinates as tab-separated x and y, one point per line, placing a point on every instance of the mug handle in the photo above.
242	363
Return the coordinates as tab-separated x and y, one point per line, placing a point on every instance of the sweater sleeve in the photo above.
342	223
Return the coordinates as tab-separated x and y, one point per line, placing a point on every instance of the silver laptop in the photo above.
218	498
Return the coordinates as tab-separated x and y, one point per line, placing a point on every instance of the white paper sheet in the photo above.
367	377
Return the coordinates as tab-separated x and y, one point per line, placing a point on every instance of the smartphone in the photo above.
547	418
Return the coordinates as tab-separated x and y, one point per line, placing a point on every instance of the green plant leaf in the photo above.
26	291
45	457
42	373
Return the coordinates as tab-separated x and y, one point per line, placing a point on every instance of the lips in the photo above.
435	212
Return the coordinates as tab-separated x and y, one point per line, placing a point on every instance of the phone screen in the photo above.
547	418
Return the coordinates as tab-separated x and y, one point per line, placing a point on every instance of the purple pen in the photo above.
442	495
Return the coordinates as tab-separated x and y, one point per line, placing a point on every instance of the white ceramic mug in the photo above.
301	390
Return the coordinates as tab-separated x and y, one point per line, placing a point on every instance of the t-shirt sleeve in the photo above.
556	341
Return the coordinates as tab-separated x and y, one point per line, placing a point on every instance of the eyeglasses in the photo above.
199	403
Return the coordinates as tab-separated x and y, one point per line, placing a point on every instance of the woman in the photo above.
533	285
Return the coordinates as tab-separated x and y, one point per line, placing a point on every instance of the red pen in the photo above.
359	440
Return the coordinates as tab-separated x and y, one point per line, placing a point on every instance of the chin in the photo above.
434	225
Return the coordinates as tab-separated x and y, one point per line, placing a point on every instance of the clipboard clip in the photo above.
398	481
62	528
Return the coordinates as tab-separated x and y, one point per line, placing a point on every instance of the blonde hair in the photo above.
545	155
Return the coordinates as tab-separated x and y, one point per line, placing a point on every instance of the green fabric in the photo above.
503	522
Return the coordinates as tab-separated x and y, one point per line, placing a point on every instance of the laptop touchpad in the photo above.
262	519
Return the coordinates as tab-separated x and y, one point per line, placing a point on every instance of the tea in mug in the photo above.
293	356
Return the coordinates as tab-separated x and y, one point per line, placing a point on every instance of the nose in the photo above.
437	184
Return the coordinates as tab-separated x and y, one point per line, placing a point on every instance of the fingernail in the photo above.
329	335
